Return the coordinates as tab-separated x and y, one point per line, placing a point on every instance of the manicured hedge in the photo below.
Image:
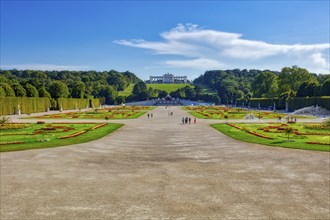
293	103
301	102
72	103
9	105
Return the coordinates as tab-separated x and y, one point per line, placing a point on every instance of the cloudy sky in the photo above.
153	38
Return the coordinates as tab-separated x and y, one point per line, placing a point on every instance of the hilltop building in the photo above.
168	78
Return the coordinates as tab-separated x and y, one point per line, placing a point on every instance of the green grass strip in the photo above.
243	136
89	136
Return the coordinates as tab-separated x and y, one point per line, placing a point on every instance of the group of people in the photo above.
186	120
150	115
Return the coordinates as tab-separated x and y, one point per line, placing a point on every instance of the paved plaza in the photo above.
159	168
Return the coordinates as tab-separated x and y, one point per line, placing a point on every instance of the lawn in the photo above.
33	136
168	87
121	112
218	112
305	136
128	91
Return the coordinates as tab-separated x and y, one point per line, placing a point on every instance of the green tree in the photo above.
109	93
290	78
78	90
307	89
162	94
43	92
19	90
7	89
139	88
325	89
31	91
2	92
58	90
120	99
265	85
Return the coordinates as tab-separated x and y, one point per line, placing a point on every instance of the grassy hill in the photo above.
165	87
127	91
168	87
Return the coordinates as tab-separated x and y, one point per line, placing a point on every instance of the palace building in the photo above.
168	78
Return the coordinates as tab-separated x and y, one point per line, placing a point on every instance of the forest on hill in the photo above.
245	84
230	85
65	84
105	85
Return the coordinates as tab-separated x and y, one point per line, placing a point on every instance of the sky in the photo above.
158	37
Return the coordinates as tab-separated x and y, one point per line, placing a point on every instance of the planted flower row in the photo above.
321	143
257	134
235	126
98	126
250	132
73	135
311	133
12	142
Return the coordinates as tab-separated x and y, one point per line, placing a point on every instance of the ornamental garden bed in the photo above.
33	135
302	136
218	112
126	112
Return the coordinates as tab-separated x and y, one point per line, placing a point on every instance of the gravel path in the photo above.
160	168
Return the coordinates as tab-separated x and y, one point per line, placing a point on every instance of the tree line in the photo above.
141	92
245	84
65	84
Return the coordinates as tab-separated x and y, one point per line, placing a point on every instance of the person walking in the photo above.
195	120
186	120
182	120
189	120
148	115
152	115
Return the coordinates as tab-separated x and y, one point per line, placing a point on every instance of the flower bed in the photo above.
235	126
311	133
12	142
321	143
257	134
98	126
73	135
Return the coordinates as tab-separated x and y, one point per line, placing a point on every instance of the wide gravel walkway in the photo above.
159	168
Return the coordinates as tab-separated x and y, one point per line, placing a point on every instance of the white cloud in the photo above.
44	67
200	63
216	49
319	60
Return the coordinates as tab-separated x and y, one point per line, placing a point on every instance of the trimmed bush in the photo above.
293	103
297	102
27	105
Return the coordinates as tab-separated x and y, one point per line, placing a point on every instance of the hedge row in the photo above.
301	102
293	103
28	105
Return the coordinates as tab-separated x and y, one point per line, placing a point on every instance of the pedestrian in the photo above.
182	120
195	120
148	115
152	115
189	120
186	120
171	113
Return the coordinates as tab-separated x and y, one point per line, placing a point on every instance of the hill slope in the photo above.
163	87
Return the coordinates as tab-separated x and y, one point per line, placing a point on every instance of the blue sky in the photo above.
155	37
